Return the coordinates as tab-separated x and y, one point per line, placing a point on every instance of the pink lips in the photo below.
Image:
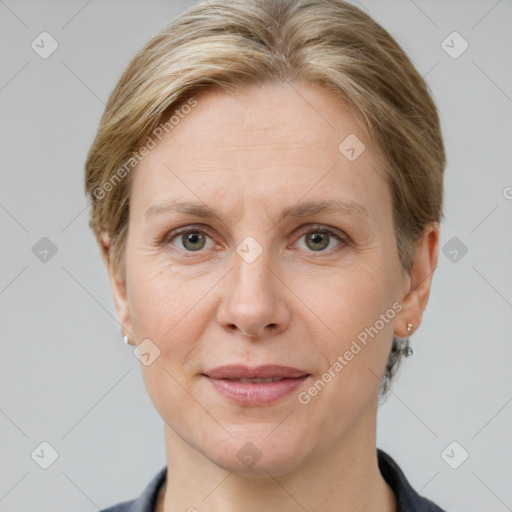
226	380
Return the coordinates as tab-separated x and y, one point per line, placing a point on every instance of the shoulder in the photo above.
408	500
146	502
124	506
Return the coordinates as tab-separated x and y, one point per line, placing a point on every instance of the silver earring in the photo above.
407	350
125	339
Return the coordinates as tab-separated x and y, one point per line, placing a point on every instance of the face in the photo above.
252	286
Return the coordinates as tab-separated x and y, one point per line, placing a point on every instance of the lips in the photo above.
255	387
270	373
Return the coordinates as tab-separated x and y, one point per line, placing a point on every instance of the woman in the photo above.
266	187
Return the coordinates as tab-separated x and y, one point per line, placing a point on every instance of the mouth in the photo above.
268	371
258	386
258	381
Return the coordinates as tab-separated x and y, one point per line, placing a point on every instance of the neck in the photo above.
346	478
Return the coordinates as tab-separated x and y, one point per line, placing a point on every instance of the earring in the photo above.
125	339
407	350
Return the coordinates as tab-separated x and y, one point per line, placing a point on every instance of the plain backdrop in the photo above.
67	379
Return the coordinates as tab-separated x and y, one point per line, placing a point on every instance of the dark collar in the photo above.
408	500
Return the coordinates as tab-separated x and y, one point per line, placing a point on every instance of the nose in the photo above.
254	300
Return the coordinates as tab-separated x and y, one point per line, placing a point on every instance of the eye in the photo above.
191	240
319	238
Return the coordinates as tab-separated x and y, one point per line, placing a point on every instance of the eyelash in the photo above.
169	237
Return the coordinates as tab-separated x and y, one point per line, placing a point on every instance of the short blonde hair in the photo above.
230	43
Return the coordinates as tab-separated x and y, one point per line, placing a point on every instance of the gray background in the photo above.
67	378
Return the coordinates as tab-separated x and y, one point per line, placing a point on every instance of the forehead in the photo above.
260	141
269	115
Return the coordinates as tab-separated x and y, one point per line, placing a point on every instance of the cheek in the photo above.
166	307
352	299
358	309
171	308
160	296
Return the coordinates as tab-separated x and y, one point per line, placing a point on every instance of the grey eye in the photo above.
317	241
193	240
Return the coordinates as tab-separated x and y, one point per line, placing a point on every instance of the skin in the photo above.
249	156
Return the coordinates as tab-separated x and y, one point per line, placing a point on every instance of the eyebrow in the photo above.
296	211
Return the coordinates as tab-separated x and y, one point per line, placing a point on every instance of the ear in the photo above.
118	285
417	292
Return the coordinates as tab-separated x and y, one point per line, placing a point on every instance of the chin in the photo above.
253	452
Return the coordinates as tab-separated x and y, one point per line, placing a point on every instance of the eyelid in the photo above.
323	228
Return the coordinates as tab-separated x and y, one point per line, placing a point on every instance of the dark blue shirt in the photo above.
407	499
